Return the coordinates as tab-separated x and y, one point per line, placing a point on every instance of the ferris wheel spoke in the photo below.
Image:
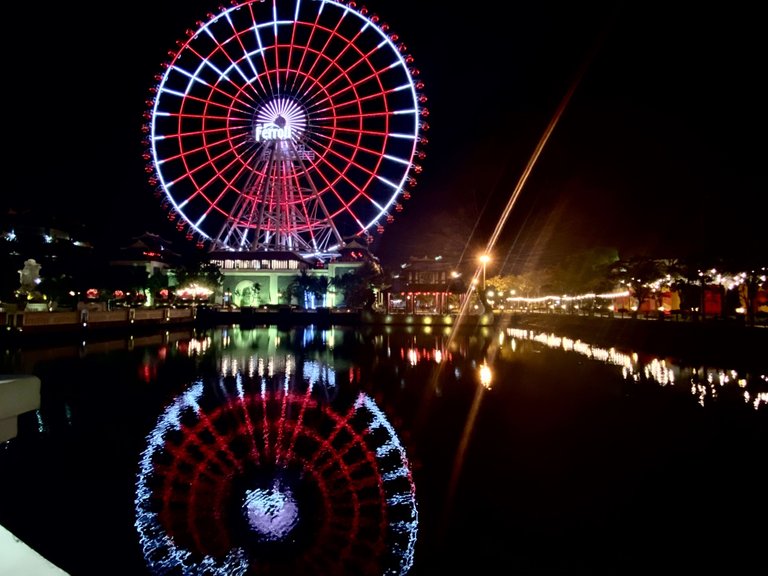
205	172
319	43
308	59
195	70
351	163
245	53
344	202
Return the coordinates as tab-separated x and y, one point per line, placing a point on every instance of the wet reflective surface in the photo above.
384	451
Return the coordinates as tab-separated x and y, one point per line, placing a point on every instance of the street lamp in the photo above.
484	259
486	375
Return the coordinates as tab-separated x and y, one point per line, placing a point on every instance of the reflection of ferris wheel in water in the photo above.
261	474
286	126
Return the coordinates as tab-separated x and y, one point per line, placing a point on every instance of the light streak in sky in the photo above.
480	270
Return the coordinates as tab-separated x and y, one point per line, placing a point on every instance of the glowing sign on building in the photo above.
271	131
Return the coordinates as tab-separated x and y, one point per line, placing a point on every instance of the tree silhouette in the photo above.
359	286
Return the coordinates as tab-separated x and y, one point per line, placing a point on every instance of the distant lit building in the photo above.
265	278
425	286
148	251
57	251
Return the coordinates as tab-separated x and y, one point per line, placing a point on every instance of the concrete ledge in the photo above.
18	394
18	559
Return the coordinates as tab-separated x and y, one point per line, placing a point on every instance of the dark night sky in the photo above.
656	152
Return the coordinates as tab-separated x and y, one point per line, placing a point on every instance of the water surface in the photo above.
384	451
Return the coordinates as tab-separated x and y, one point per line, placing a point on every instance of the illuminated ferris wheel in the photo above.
286	126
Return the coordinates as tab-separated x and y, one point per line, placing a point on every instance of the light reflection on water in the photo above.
703	382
